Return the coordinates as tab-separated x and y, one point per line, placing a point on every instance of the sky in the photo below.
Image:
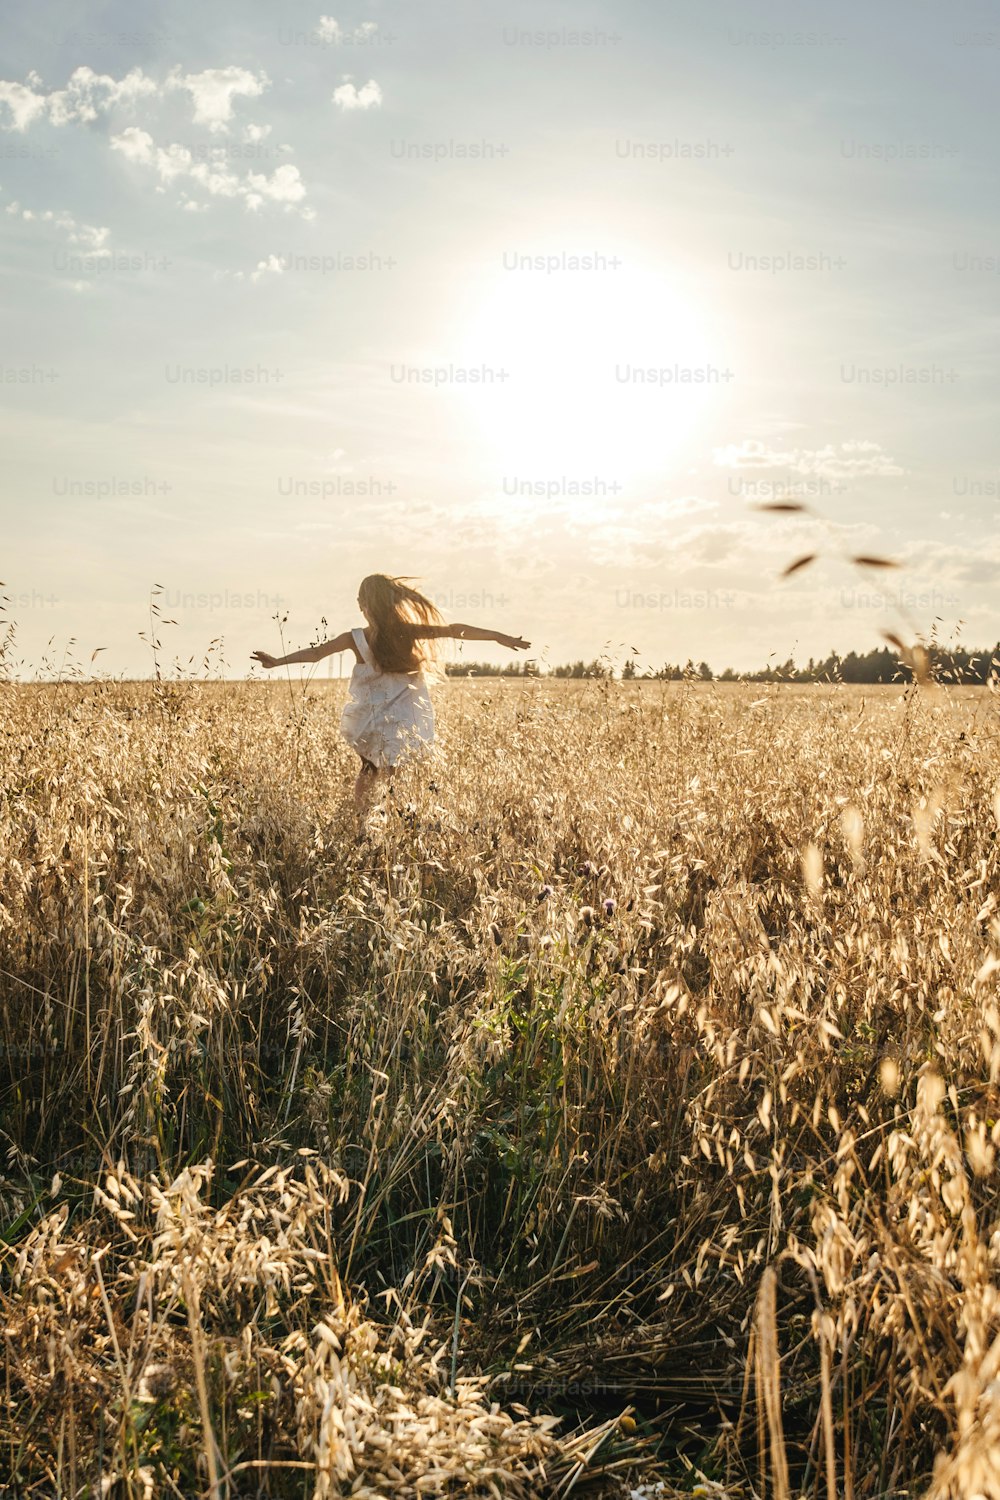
537	303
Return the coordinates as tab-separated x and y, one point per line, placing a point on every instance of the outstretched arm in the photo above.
342	642
473	633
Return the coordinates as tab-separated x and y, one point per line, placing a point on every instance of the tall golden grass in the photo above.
619	1105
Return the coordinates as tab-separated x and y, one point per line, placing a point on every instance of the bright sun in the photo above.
574	344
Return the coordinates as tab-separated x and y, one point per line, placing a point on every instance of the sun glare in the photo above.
589	372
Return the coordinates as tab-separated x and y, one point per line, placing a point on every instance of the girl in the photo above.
388	713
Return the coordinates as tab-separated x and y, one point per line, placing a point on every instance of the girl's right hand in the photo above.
515	642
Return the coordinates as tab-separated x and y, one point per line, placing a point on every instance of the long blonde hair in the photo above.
394	609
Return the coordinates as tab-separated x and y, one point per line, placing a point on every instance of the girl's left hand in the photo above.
264	658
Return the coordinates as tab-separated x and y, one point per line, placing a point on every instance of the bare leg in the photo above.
364	787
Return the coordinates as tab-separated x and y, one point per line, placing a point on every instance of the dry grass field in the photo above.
618	1109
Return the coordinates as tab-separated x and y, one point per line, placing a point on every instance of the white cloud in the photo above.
214	90
852	459
24	104
346	96
951	563
134	144
89	237
89	94
284	186
750	454
86	96
273	265
169	162
330	30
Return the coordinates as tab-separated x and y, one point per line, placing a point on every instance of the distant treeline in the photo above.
532	669
948	664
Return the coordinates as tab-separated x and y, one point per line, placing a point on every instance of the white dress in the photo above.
388	715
